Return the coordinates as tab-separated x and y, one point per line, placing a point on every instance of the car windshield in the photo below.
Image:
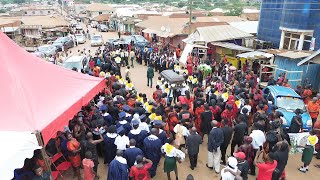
79	36
96	38
70	65
60	40
139	38
43	48
290	103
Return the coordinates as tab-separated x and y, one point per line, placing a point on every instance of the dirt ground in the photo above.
138	76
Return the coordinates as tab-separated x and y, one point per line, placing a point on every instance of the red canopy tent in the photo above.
37	95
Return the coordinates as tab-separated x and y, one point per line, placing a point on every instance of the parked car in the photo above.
124	40
103	28
79	62
287	101
96	40
81	39
93	24
139	40
79	27
47	50
67	42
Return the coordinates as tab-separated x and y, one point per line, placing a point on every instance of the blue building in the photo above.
290	24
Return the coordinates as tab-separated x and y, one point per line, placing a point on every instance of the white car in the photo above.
77	62
94	24
47	50
96	40
81	39
78	27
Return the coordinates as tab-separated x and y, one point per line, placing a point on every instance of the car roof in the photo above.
97	35
47	45
75	59
283	91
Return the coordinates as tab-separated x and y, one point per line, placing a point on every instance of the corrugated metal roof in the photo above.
255	54
250	27
294	55
220	19
309	58
218	33
9	29
231	46
99	7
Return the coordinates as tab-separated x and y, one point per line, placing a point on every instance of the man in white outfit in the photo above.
215	140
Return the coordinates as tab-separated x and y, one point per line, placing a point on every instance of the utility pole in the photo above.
190	15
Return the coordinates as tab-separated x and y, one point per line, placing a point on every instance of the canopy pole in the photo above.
43	152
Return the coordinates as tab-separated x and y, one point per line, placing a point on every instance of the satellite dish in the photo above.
163	28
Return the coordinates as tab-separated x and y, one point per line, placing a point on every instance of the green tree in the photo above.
19	1
234	8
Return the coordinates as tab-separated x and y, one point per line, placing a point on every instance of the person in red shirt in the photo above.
88	165
313	108
307	94
140	171
265	168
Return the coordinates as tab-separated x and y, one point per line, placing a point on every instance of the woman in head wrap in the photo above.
231	101
248	150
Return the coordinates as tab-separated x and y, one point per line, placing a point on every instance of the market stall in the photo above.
37	97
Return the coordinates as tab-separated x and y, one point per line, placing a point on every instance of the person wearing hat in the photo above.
161	133
109	146
144	125
121	141
308	150
118	168
243	164
137	134
131	153
123	122
152	150
231	170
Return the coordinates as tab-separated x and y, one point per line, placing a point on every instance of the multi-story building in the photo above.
97	9
290	24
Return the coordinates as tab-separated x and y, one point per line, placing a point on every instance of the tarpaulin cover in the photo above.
37	95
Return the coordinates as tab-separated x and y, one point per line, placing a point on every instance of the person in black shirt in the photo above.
227	134
239	131
281	156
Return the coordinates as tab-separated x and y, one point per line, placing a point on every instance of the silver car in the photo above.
81	39
96	40
47	50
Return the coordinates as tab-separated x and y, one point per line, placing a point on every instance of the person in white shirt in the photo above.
143	125
258	138
181	133
171	154
121	141
230	171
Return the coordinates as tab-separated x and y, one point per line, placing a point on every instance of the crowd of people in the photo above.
133	132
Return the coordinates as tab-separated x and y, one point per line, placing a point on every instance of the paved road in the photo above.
138	76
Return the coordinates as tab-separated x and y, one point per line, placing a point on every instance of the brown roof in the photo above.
250	16
184	15
102	17
43	21
195	25
7	22
220	19
145	16
99	7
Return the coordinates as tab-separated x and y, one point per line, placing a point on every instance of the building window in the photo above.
291	41
25	12
33	12
41	12
48	12
100	13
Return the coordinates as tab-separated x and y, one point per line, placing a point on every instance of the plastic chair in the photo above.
61	167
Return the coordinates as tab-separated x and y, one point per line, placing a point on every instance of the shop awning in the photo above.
255	55
35	96
231	46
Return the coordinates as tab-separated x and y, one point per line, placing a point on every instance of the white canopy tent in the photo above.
188	49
